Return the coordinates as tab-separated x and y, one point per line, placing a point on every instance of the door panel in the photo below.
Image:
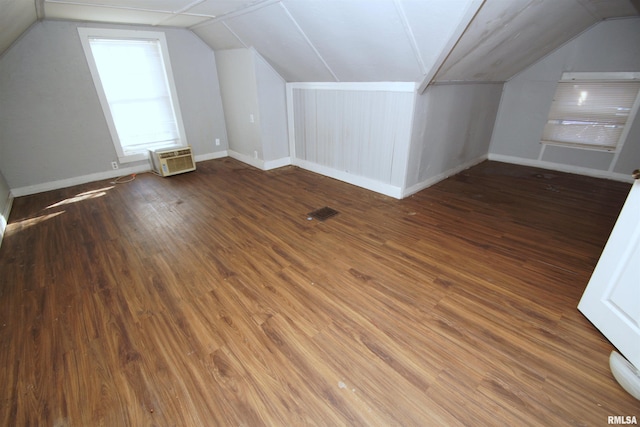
611	300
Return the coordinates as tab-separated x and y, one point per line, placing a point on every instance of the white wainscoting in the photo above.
355	132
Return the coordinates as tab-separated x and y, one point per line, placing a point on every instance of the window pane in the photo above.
583	133
143	121
590	113
135	84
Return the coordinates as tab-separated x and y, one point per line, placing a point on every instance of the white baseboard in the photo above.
369	184
211	156
252	161
259	163
596	173
278	163
4	216
70	182
99	176
444	175
359	181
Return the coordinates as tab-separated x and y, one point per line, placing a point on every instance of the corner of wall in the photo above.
528	95
442	176
211	156
259	163
442	146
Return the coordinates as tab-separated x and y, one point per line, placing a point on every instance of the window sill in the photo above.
601	148
134	157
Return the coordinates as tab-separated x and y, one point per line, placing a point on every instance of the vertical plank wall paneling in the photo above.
358	133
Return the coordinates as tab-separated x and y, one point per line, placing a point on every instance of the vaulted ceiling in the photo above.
353	40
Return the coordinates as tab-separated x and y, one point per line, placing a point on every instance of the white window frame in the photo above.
602	77
87	33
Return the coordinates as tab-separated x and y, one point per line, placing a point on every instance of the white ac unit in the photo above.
172	161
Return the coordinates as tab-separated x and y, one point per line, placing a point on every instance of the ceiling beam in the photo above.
467	19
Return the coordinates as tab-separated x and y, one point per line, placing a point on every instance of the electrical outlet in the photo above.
217	141
251	119
114	165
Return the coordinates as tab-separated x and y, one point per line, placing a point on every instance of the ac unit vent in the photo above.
167	162
167	154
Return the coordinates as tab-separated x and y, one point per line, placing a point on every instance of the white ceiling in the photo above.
353	40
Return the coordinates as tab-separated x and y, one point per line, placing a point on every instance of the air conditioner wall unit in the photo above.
172	161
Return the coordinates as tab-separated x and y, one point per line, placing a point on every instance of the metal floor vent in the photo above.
322	213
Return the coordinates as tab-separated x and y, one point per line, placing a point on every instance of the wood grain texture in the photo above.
209	299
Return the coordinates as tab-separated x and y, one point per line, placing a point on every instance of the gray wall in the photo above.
272	101
451	131
608	46
240	99
250	87
52	128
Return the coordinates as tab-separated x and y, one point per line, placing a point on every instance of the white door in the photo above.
611	300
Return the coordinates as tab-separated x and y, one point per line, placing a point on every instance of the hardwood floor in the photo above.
209	299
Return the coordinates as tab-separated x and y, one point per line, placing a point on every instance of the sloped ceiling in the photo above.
507	36
354	40
15	17
343	40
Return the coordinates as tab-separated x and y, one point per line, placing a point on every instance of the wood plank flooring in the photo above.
209	299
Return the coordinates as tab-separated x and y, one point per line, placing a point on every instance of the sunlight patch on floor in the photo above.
82	196
30	222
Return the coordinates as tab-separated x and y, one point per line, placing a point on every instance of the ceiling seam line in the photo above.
182	11
235	35
238	12
429	78
302	33
412	39
588	10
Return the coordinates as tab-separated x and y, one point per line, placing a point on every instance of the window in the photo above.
134	82
592	110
